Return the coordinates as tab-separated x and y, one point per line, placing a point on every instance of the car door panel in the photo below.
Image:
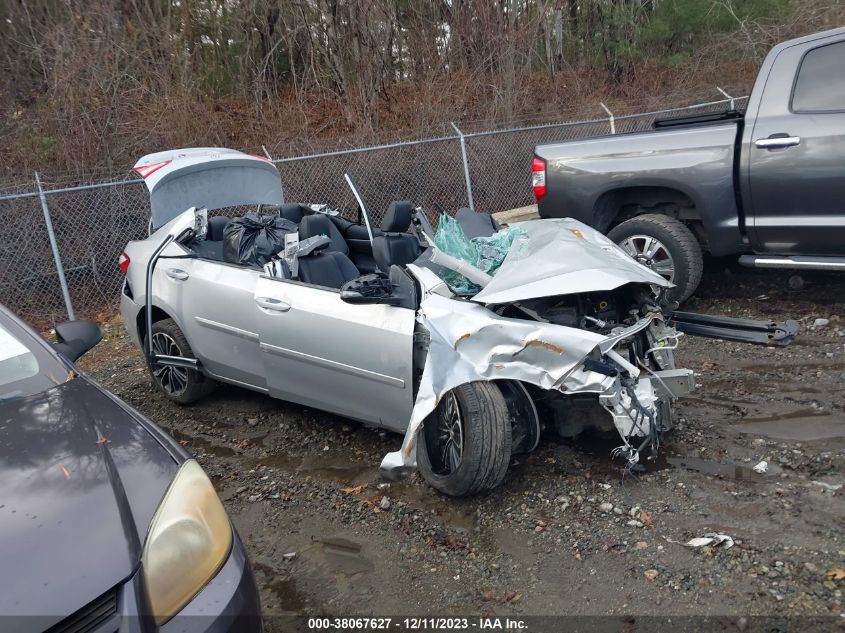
797	155
215	301
353	360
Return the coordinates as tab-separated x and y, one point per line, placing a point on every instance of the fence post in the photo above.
610	114
727	96
54	246
466	166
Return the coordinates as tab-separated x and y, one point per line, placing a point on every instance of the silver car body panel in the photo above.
559	257
210	177
353	360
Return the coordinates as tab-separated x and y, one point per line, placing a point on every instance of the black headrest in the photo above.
291	211
320	224
216	226
398	217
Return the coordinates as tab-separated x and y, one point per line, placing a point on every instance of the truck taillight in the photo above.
123	262
538	178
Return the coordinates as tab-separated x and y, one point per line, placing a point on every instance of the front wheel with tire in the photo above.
181	385
464	446
665	245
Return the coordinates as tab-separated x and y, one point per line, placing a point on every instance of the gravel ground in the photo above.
567	533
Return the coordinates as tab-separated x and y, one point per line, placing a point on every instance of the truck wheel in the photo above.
184	386
666	246
464	446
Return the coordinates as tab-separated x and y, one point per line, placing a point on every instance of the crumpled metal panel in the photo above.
471	343
562	257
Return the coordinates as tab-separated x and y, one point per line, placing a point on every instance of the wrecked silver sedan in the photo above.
381	325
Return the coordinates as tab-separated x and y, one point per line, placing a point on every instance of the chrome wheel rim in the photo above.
173	380
450	433
652	253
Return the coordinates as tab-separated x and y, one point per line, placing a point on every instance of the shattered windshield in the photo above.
485	253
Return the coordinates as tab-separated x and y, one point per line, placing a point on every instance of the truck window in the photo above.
820	85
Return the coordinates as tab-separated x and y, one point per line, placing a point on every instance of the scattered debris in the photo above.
820	323
650	574
289	555
66	472
384	504
354	490
836	574
827	486
762	467
491	594
103	440
711	538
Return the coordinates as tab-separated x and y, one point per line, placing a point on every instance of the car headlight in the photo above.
189	540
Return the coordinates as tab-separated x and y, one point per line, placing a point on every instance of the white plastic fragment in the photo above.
711	538
827	486
762	467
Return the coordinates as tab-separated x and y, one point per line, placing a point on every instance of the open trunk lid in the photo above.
210	177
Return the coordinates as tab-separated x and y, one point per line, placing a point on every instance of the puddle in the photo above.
284	589
808	412
729	470
344	556
193	443
798	426
326	468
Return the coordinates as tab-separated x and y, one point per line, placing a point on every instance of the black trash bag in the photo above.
253	239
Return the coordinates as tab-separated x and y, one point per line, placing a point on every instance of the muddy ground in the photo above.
567	533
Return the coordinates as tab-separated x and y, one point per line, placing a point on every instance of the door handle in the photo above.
176	273
777	142
269	303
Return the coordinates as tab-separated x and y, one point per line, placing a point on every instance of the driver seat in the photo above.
395	247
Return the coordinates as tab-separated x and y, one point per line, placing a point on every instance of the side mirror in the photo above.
74	338
368	289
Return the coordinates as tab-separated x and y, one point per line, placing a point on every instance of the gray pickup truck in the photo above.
768	184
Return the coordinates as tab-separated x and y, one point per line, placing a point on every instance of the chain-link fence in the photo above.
59	246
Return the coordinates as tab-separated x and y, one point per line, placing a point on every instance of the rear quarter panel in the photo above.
697	161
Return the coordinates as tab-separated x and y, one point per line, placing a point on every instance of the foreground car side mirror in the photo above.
74	338
368	289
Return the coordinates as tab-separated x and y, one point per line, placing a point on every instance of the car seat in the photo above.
216	226
329	266
395	246
292	211
320	224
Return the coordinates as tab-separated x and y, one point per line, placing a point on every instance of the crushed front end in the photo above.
628	383
571	319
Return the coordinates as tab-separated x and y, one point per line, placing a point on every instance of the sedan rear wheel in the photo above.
181	385
464	446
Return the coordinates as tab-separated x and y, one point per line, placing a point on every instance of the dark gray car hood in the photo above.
80	480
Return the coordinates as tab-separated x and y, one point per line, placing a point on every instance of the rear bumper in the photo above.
129	313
